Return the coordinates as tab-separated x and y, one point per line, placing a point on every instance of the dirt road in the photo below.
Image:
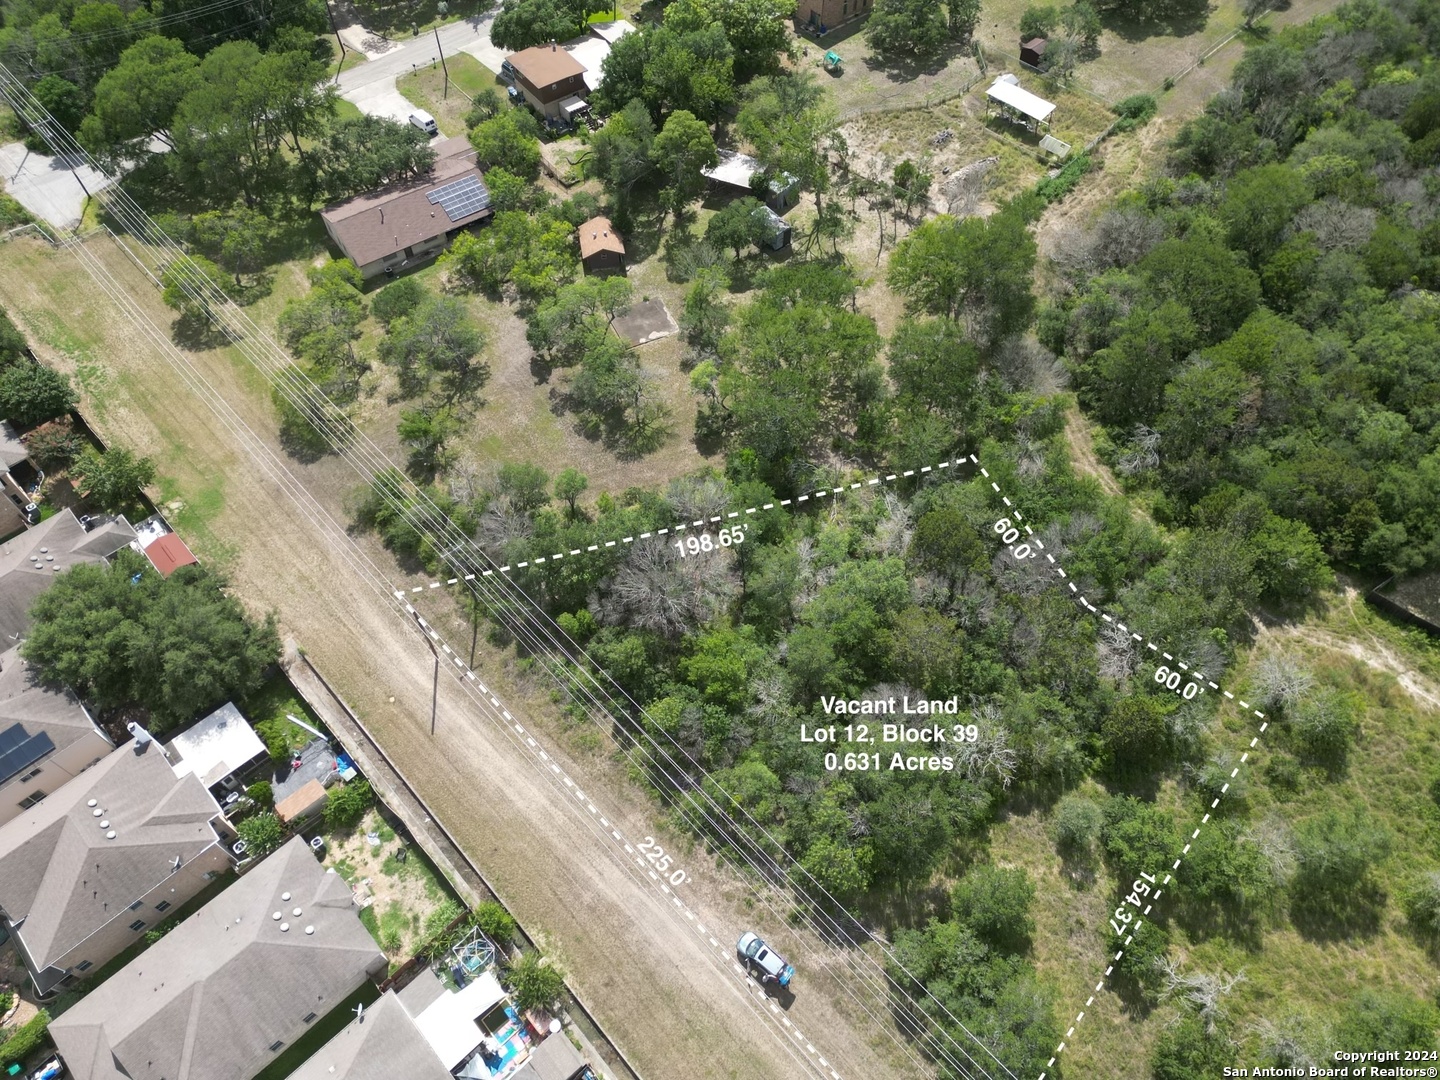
672	1001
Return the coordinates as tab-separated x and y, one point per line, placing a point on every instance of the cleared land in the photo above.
659	991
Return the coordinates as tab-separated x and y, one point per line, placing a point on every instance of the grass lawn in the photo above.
319	1033
272	702
407	893
347	110
426	88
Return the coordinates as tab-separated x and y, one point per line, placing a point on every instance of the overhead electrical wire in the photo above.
533	625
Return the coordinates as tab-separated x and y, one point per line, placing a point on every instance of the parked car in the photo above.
762	961
49	1071
507	71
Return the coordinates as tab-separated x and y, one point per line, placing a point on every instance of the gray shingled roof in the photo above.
61	874
208	1000
12	450
553	1059
23	701
384	1045
22	578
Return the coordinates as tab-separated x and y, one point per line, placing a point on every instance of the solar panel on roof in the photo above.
19	750
460	198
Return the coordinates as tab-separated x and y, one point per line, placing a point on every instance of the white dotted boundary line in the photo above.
700	523
726	957
1224	789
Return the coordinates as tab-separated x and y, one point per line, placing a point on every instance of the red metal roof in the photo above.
169	553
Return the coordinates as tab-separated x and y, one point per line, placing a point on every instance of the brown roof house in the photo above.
601	249
411	221
822	16
46	738
221	995
382	1044
549	77
34	558
86	871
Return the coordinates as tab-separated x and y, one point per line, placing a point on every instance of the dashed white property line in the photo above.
724	954
698	523
1134	927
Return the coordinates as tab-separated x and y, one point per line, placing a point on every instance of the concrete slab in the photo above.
45	185
648	320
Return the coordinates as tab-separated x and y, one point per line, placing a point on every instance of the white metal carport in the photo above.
1015	100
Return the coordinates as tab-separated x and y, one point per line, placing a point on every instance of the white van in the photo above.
424	121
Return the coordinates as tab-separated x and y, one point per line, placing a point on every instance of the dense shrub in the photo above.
497	923
1054	188
535	982
25	1040
262	834
345	804
261	794
1134	111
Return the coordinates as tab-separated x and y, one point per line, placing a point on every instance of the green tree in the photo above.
683	147
62	99
525	485
1077	823
509	141
13	345
995	904
839	870
1138	836
437	338
1204	276
1387	1020
1082	25
1189	1051
1038	20
1334	886
31	393
907	29
113	480
136	100
345	804
570	484
237	239
1125	381
173	645
397	299
427	432
739	224
976	270
188	281
367	152
262	834
755	29
670	70
1258	208
792	126
620	153
535	983
520	24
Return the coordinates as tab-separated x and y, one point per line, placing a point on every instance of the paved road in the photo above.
45	185
371	86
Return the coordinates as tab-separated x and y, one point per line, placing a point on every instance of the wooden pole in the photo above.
442	63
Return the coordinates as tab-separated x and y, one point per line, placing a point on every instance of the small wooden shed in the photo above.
601	249
1032	52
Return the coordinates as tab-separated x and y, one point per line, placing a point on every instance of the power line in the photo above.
414	506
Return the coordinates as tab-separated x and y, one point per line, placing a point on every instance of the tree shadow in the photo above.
1180	20
1227	919
1326	914
196	332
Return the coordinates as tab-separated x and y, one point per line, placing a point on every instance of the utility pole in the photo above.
442	63
336	31
435	684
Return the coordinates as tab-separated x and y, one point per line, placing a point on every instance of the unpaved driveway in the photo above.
667	998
